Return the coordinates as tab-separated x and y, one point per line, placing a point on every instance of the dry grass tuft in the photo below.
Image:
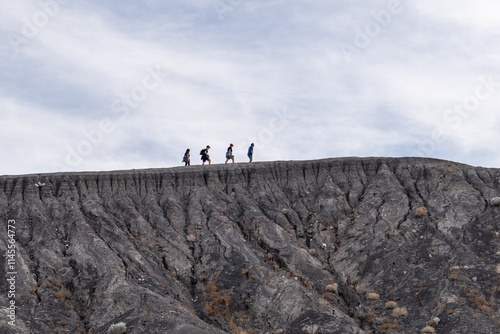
399	312
480	303
454	273
33	288
389	327
61	296
373	296
391	305
428	330
234	329
330	297
421	212
217	302
332	288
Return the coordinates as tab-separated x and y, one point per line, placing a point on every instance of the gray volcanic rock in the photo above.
276	247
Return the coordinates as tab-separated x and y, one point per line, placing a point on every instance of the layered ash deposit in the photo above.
348	245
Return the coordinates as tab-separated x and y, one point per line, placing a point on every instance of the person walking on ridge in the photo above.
187	158
229	153
250	152
204	155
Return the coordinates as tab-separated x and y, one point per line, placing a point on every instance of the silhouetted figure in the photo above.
229	153
187	158
250	152
204	155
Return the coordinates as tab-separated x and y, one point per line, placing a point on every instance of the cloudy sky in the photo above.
103	85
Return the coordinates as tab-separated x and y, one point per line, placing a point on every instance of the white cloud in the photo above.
482	14
230	80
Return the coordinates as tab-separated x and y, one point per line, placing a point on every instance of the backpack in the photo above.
203	151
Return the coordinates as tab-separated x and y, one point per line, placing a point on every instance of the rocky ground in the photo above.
350	245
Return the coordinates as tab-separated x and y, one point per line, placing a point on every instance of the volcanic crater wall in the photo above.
348	245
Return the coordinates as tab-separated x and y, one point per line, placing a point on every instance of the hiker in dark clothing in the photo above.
250	152
187	158
204	155
229	153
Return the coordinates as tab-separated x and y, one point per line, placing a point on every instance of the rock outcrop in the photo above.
350	245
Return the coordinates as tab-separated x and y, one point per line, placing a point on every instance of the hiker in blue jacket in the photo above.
250	152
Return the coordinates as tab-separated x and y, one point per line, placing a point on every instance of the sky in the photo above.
110	85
